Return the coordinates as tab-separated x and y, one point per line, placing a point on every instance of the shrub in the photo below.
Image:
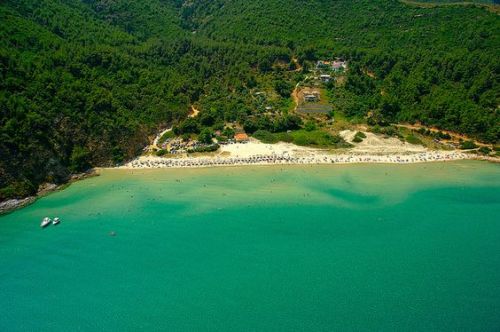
468	145
412	139
205	136
283	137
221	139
361	134
310	126
388	131
218	126
228	132
484	150
188	126
317	138
357	139
265	136
283	88
442	135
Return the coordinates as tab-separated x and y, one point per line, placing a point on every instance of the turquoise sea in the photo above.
305	248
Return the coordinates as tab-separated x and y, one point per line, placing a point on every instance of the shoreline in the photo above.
255	153
10	205
372	149
153	162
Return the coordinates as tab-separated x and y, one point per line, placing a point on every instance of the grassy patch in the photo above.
161	153
412	139
270	138
389	131
316	138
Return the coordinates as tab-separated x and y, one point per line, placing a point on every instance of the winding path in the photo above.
157	138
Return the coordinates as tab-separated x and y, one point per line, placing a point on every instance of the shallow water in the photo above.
310	248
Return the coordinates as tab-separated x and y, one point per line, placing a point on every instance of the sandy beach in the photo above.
318	158
374	149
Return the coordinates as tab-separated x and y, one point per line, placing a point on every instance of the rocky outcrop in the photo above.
44	189
12	204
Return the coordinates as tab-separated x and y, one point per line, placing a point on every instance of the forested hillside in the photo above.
85	83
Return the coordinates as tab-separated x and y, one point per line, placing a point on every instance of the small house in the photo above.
311	96
325	78
339	65
241	137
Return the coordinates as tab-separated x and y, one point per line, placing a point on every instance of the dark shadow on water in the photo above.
351	197
464	195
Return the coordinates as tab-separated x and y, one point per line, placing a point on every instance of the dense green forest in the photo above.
85	83
458	1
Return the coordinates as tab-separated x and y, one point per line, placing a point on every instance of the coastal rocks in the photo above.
12	204
44	189
85	175
16	203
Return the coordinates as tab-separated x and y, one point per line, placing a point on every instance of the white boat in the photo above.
45	222
56	221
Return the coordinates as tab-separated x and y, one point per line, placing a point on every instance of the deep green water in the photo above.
323	248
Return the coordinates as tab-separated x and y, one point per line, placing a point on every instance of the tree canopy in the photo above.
85	83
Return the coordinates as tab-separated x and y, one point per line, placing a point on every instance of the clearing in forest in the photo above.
312	100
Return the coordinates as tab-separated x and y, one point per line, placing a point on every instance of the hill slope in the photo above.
83	83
